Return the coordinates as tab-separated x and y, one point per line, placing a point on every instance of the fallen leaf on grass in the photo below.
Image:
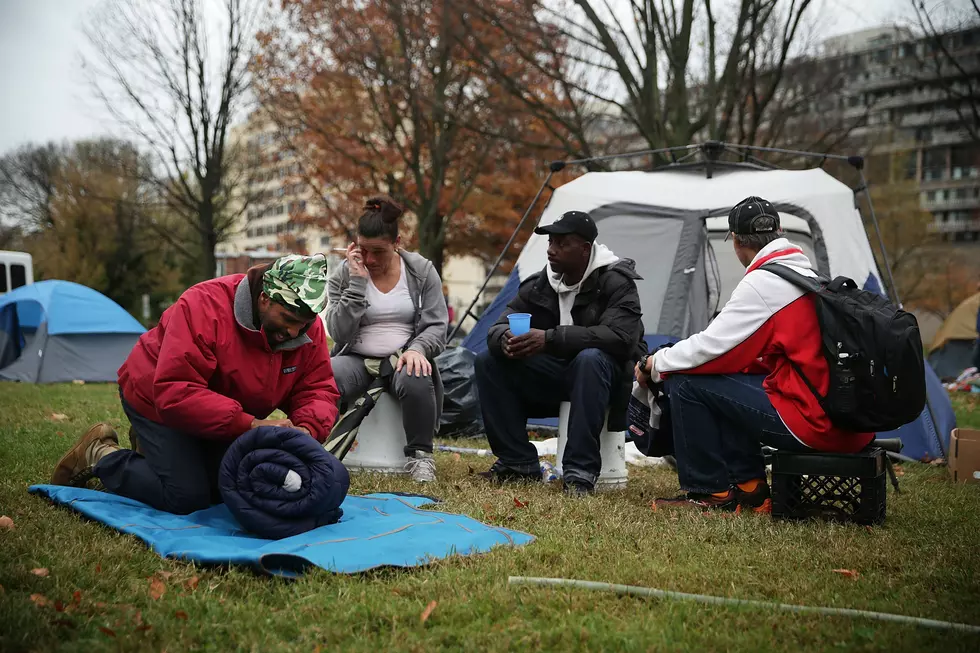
58	417
40	571
653	506
165	575
191	583
138	618
6	523
180	614
157	589
59	606
850	573
456	456
519	504
40	600
899	471
470	470
428	611
98	567
108	632
76	598
142	628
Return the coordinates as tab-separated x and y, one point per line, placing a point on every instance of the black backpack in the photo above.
873	350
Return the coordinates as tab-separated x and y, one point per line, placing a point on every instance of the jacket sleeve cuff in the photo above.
242	423
318	434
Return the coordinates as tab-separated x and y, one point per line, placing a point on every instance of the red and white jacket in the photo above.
767	323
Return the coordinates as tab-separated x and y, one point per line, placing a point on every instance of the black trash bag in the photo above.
461	417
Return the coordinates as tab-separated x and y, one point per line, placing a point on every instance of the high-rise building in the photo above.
917	103
279	201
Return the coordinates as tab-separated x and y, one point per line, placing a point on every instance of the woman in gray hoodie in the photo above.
384	300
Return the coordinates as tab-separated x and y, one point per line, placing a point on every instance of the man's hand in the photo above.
646	375
285	423
529	344
414	364
355	261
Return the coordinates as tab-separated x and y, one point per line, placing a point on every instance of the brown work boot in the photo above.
75	467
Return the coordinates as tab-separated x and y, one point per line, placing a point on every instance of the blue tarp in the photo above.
376	530
69	308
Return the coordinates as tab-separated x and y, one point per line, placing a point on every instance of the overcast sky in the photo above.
42	98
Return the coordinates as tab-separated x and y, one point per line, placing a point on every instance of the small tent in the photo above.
59	331
672	221
952	350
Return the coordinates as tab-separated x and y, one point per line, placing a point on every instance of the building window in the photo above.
324	241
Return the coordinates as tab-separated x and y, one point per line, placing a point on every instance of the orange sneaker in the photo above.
758	500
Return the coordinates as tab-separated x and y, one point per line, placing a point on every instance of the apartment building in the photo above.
910	97
278	199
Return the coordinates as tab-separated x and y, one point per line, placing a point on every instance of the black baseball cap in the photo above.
572	222
753	215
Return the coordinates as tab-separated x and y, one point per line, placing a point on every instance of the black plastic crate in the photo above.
844	487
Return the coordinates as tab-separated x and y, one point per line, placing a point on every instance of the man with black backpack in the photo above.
758	374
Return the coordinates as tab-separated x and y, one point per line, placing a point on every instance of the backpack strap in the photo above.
808	284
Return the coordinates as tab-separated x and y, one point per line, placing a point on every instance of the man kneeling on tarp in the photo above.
585	336
737	383
229	352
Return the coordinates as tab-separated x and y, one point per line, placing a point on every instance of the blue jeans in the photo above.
511	391
720	424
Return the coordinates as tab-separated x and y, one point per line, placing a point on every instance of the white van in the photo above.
16	270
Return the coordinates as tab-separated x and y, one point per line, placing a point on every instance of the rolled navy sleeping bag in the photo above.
279	482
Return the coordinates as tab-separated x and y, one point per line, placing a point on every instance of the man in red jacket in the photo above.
737	385
227	354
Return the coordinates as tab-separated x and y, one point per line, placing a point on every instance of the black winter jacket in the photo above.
606	316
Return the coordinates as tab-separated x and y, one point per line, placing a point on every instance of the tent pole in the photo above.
881	242
555	167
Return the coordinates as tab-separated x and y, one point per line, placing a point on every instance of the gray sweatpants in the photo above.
417	397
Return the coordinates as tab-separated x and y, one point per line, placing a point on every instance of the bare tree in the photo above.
949	64
669	70
175	73
27	185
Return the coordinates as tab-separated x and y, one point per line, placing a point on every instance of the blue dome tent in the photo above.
673	220
59	331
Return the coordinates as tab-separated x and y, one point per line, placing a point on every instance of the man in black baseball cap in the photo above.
743	381
751	216
585	336
572	222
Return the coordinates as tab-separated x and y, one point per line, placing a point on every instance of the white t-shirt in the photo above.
388	323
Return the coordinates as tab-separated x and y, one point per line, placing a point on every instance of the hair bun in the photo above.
389	210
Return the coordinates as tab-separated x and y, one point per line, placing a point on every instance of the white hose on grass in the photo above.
634	590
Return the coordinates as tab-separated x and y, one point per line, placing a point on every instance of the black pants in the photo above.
175	472
511	391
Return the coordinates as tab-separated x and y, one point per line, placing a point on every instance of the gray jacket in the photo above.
348	301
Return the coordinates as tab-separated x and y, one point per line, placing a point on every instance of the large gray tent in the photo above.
59	331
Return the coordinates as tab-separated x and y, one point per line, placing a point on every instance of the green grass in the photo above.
924	562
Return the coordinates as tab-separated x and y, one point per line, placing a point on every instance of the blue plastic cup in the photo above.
520	323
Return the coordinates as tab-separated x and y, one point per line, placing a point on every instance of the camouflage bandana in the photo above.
298	282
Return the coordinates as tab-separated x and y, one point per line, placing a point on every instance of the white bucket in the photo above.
380	444
612	449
